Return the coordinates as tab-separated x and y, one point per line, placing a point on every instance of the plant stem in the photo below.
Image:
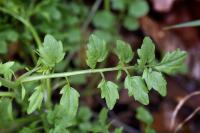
45	123
49	91
7	94
25	22
29	73
35	34
67	74
91	15
32	53
107	5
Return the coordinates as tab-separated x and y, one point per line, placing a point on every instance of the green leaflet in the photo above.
147	52
3	47
156	81
131	23
97	51
138	8
149	130
103	116
23	92
35	100
143	115
59	117
84	114
103	34
59	129
109	91
104	19
51	52
118	130
171	62
101	125
137	88
118	5
74	35
6	70
124	51
70	100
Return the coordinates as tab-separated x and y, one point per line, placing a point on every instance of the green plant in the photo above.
108	24
129	12
33	89
25	21
144	116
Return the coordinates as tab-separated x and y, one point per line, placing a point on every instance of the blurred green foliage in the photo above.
24	23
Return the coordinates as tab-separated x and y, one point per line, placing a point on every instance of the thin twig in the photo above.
178	107
187	119
91	15
26	22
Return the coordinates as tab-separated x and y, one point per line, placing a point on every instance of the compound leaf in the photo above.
137	88
124	51
172	62
156	81
97	51
109	91
51	52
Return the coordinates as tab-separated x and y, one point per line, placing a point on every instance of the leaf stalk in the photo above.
67	74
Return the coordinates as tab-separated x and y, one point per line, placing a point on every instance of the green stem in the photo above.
25	22
29	73
67	74
91	15
107	5
32	53
45	123
49	93
35	34
7	94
